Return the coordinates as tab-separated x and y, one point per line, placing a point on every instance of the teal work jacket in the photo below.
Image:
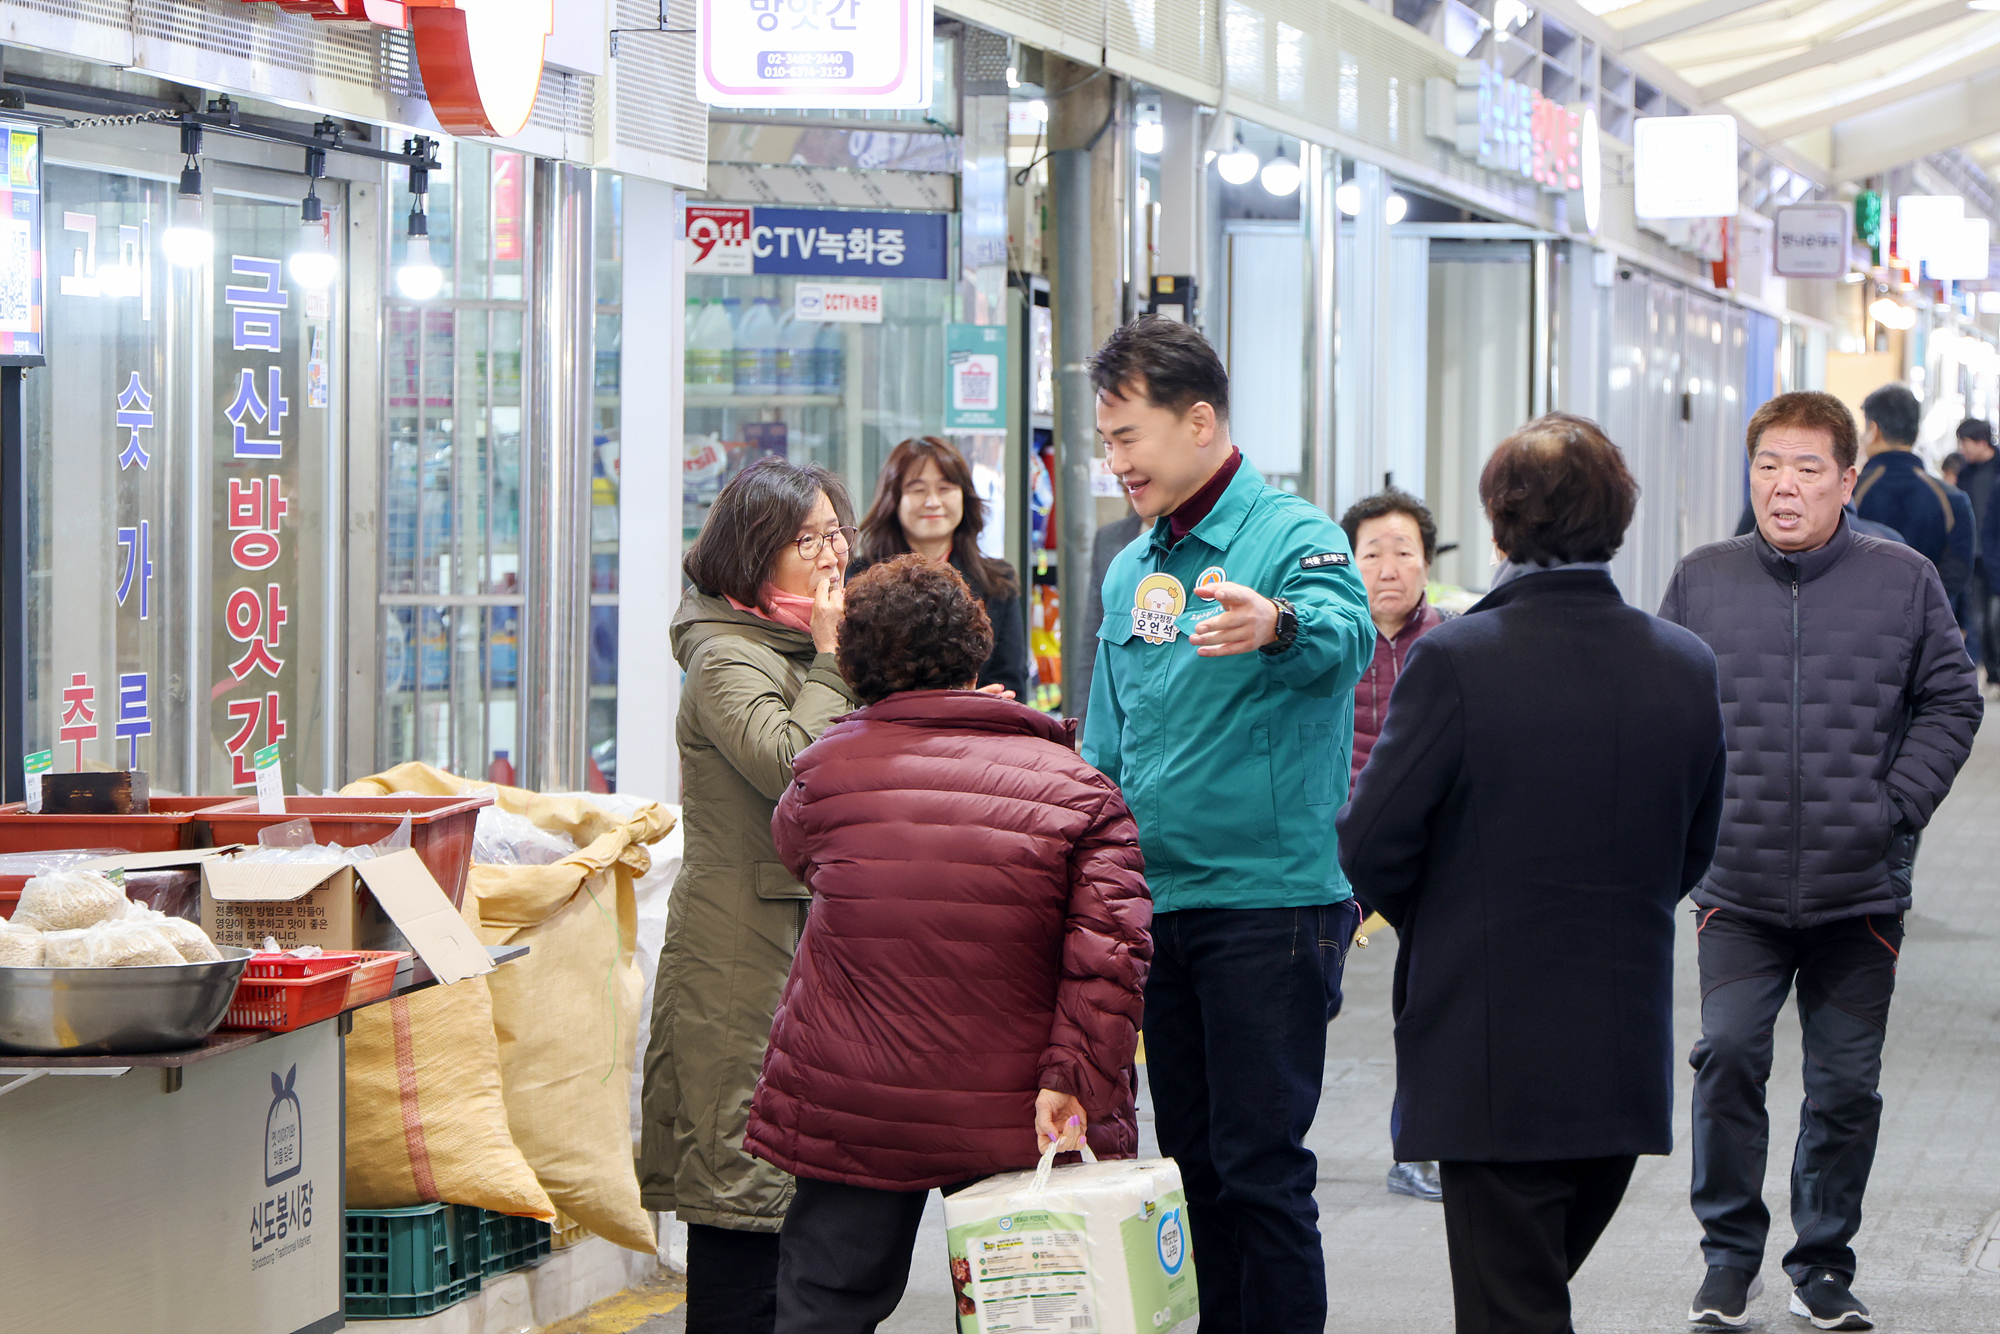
1234	767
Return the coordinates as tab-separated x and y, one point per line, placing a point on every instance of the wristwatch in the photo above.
1288	628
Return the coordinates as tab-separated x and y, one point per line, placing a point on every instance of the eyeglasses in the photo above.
813	543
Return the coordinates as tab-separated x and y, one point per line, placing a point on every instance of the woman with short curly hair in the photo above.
968	986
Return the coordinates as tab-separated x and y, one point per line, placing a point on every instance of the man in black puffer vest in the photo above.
1850	705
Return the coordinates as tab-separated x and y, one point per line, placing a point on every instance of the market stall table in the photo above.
207	1201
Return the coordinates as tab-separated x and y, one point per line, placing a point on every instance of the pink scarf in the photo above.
785	608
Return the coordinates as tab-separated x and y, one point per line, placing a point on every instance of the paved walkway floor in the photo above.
1933	1203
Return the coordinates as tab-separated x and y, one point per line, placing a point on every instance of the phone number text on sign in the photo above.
838	54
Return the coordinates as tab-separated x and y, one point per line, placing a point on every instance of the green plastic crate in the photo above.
507	1243
410	1262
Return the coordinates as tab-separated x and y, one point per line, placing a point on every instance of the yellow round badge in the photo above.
1158	600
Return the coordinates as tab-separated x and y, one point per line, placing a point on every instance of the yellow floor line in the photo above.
622	1313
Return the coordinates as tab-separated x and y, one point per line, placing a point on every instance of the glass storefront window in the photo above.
602	722
842	395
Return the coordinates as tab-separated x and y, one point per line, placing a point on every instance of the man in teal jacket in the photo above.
1223	704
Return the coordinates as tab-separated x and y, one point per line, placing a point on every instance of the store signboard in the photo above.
1507	126
21	247
976	377
817	54
815	242
1811	241
837	303
1684	167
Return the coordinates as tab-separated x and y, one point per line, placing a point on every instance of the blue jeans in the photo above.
1236	1012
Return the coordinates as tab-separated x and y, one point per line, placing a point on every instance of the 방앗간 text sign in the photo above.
829	54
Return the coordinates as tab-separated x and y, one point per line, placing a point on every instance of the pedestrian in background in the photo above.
1894	488
969	983
1975	442
1395	540
1223	705
1851	706
925	502
755	634
1546	789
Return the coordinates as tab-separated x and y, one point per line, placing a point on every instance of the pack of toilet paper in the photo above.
1095	1248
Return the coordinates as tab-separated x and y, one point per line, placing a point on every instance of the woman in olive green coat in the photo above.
755	635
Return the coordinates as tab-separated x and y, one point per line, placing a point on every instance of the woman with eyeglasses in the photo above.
925	503
756	634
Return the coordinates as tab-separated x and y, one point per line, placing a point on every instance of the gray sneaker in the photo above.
1419	1181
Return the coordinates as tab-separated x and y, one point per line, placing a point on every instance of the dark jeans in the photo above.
845	1257
1517	1234
1236	1012
732	1280
1846	972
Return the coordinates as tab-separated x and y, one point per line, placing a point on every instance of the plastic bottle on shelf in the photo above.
757	349
711	351
832	357
798	356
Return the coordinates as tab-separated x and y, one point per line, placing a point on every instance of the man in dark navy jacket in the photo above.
1895	489
1851	705
1545	790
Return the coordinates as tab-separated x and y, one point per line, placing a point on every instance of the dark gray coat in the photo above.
1545	790
1851	705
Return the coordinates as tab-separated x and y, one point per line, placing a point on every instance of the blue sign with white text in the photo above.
841	243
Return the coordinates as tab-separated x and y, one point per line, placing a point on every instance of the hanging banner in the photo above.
819	54
976	377
1811	241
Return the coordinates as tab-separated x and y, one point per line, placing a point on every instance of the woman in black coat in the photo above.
1546	789
925	502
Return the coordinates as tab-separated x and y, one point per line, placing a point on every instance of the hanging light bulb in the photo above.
312	262
1149	137
186	240
1348	198
1280	175
419	277
1394	209
1238	165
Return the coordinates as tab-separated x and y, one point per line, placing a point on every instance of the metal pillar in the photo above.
1076	406
555	481
1321	223
1541	331
13	582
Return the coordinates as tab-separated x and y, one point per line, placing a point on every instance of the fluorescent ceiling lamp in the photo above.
1280	175
1684	167
1149	137
1238	165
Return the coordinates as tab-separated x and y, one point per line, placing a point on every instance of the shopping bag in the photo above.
1094	1248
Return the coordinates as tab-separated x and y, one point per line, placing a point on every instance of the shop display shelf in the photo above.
507	1243
170	826
401	1263
440	827
282	992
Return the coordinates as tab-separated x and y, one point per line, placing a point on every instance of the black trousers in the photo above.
732	1280
1237	1006
844	1257
1846	973
1517	1234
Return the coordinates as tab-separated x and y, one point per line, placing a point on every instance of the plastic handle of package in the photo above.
1048	1163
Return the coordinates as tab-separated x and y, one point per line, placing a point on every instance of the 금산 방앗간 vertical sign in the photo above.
826	54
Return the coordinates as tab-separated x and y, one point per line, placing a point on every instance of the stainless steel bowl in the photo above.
116	1011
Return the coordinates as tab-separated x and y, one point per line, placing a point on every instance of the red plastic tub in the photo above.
171	826
440	827
281	992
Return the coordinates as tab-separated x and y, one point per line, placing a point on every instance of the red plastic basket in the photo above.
441	828
170	827
281	992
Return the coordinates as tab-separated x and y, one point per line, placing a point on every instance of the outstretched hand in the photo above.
1248	621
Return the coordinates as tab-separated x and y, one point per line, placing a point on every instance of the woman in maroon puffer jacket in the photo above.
969	982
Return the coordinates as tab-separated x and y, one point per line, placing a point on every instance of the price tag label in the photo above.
270	781
34	767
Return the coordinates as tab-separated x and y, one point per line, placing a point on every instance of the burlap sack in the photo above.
425	1117
566	1015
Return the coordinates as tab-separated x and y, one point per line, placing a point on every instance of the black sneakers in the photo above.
1824	1299
1419	1181
1724	1299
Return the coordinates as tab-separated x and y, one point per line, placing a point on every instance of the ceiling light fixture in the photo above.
312	264
1238	165
1280	175
186	239
419	278
1149	137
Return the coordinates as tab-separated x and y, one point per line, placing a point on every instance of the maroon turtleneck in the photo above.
1197	506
